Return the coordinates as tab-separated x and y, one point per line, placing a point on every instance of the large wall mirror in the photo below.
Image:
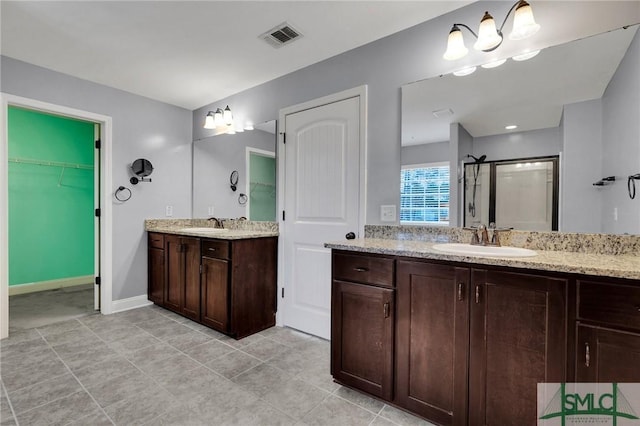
578	103
252	155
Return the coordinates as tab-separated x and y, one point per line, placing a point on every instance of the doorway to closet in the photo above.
53	230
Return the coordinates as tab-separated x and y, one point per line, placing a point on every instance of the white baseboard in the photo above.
49	285
130	303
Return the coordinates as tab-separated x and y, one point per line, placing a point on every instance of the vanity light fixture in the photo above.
489	37
222	119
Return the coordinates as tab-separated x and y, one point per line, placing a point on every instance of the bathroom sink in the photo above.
205	230
488	251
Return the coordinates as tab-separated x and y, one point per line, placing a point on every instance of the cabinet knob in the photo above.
387	309
460	291
361	269
477	294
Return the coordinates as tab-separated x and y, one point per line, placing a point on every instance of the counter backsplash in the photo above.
535	240
242	225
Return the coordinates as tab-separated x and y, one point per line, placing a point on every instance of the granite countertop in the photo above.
618	266
230	234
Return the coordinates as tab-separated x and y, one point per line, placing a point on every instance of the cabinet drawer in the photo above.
609	303
364	269
156	240
218	249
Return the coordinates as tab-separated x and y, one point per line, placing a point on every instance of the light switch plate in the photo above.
169	211
388	213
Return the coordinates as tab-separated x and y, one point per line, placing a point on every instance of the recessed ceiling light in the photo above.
511	127
494	63
525	56
464	71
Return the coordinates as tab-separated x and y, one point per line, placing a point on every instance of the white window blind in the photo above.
424	194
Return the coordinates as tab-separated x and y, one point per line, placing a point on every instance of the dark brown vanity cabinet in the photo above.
215	285
432	321
608	332
182	289
228	285
518	338
156	268
470	344
362	324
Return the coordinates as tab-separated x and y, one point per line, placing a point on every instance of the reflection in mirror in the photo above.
214	159
520	194
579	101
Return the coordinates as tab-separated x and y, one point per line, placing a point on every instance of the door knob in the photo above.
350	236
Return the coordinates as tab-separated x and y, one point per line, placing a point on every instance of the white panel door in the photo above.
322	193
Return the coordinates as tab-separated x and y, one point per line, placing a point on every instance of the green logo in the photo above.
588	404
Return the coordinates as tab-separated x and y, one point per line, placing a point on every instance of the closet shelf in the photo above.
51	163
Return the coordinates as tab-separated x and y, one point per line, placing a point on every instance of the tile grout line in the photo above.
6	395
76	378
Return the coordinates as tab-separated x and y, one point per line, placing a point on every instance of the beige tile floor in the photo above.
149	366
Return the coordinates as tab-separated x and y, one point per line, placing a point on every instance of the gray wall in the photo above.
214	159
388	63
141	128
621	143
581	166
533	143
424	153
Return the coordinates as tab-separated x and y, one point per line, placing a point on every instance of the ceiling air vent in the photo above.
281	35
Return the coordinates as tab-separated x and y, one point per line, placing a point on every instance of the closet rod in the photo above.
51	163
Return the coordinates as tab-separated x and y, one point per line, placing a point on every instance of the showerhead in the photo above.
477	160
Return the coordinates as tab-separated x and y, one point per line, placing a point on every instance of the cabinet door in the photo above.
432	340
191	277
215	293
156	276
182	288
362	337
174	279
607	356
518	339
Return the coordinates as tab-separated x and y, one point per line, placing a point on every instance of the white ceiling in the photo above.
530	94
192	53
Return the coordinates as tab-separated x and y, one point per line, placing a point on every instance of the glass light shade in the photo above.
218	118
239	128
209	122
248	126
525	56
523	23
455	45
464	71
231	131
227	116
488	37
494	64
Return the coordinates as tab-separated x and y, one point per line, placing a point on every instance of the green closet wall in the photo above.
262	202
51	211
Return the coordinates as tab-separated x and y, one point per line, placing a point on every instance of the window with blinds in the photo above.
424	194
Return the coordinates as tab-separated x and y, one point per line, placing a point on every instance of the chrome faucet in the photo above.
484	235
219	222
480	236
